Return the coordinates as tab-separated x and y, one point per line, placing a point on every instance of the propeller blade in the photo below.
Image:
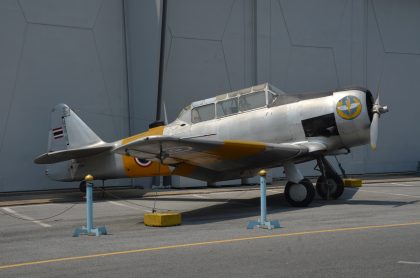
374	131
377	100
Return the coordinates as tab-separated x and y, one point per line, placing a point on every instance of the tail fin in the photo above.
68	131
70	138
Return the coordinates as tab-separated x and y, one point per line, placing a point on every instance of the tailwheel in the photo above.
299	194
82	186
330	187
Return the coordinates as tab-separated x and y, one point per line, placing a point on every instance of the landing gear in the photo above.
299	192
82	186
329	186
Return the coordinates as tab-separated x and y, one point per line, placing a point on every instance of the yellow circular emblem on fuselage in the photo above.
349	107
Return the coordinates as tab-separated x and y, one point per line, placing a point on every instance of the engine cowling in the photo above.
353	115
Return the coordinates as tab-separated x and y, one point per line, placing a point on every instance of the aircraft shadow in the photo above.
231	209
235	209
245	208
321	203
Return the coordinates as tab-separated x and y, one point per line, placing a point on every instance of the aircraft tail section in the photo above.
68	131
70	138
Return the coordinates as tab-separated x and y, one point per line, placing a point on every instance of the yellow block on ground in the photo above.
162	219
352	182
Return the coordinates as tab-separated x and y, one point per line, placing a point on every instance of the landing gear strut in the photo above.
329	186
82	186
299	192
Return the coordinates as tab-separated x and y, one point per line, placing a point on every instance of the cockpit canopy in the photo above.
263	95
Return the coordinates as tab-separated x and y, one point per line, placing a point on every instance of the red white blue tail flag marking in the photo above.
58	132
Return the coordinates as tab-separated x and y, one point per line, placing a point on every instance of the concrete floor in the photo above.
373	231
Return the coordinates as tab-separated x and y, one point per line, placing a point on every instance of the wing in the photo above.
213	155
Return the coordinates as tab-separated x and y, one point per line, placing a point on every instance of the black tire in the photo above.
82	186
307	181
330	187
305	186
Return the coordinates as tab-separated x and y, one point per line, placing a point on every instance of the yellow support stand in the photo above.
162	219
352	182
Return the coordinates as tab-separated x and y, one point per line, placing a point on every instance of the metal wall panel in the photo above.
52	52
393	66
209	50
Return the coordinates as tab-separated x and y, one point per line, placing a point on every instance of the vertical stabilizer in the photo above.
68	131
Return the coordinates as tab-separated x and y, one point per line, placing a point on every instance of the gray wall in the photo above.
209	50
57	51
74	51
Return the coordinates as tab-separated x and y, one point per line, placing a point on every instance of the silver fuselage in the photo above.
282	124
300	121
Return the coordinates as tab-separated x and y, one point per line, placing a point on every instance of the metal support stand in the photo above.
262	222
89	229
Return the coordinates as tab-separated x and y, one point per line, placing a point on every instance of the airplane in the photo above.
226	137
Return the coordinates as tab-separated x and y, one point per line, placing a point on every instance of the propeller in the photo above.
377	111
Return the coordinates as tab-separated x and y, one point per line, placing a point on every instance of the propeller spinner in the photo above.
377	111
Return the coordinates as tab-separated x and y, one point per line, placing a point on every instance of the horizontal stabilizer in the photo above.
58	156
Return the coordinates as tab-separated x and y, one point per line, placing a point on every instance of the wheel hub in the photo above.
330	186
298	192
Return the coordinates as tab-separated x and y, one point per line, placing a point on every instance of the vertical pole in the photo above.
127	65
161	180
263	222
161	59
89	229
263	192
89	206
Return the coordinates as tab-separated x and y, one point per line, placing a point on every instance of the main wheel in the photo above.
82	186
306	181
299	194
330	187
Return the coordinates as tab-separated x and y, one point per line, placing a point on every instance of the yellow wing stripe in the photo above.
237	149
230	150
153	131
184	170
